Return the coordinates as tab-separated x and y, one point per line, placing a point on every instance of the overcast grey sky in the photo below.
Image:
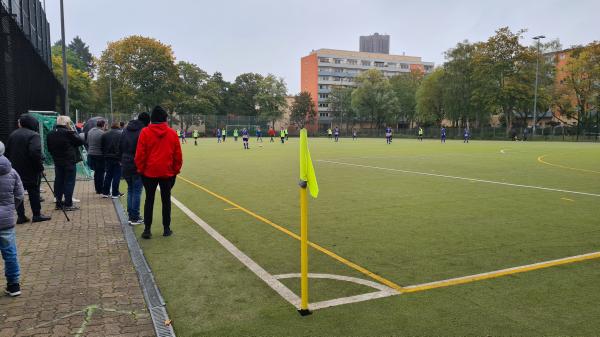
270	36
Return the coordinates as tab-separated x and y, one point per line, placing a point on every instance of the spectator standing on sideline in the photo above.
158	160
95	157
110	151
24	150
11	195
127	148
63	145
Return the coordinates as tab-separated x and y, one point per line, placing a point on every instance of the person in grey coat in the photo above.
95	156
11	195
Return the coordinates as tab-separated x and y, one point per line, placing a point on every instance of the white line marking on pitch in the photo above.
384	291
462	178
356	280
503	151
273	281
269	279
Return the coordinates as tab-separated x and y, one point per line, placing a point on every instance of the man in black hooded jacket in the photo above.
128	145
24	150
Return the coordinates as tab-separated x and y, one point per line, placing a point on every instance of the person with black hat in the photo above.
158	160
128	145
24	150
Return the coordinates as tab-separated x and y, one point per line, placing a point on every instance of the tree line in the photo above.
478	81
140	72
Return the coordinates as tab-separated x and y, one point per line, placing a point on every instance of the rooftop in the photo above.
365	55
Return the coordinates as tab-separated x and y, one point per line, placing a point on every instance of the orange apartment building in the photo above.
324	69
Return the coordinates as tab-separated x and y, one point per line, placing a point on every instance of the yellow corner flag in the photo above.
307	171
307	180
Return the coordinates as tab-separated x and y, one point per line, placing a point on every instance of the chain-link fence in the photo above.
557	133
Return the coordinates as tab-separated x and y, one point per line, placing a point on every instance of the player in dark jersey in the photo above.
336	133
466	135
443	134
245	137
258	135
388	135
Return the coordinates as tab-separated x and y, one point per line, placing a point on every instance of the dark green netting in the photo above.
47	122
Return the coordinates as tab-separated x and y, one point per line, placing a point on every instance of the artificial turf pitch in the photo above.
416	223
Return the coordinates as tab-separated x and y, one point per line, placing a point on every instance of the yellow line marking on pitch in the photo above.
567	199
297	237
231	209
499	273
541	160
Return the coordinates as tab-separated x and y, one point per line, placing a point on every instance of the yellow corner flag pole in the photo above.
307	180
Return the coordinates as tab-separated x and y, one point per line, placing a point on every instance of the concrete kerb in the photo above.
152	296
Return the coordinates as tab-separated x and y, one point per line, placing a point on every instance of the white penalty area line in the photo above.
460	178
273	281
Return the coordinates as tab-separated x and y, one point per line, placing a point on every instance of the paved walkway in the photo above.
77	277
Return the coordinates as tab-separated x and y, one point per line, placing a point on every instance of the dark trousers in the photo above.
34	201
150	184
64	184
112	177
97	164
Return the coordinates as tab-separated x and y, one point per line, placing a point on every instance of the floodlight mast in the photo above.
537	69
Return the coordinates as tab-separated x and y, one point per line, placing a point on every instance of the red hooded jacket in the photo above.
158	152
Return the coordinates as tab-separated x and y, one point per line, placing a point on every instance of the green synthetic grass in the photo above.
408	228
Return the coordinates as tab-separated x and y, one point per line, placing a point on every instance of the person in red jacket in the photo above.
158	161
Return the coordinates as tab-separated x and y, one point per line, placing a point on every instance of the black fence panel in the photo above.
26	78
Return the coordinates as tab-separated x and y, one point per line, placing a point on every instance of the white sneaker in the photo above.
105	196
75	200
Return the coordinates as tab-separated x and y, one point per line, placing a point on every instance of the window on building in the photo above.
323	114
365	63
403	66
352	62
324	59
337	61
428	67
324	96
323	86
339	70
324	78
323	105
379	64
391	64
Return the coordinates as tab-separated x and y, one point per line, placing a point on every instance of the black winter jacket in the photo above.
24	150
110	144
127	146
63	145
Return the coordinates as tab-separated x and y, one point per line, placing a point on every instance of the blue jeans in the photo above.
8	247
134	195
112	177
64	184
